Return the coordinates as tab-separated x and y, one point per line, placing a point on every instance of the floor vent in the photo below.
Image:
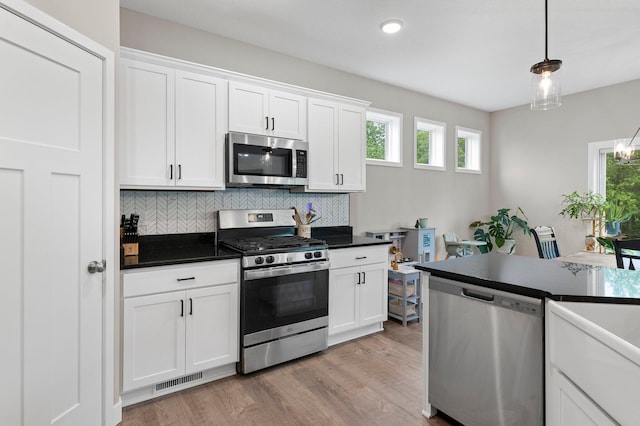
161	387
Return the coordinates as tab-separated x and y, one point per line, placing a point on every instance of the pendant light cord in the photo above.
546	32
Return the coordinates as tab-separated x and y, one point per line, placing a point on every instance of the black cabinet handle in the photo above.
267	120
181	307
171	172
190	306
179	171
361	257
364	278
273	123
186	279
358	278
337	179
341	179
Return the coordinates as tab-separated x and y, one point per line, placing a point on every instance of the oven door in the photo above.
274	299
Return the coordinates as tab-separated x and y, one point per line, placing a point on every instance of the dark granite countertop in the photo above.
173	249
338	237
541	278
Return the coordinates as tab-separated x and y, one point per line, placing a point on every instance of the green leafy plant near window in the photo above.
588	205
462	147
500	228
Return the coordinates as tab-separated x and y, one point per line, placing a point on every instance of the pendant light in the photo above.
545	77
624	154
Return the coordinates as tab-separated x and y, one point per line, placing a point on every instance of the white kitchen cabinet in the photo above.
592	363
336	135
172	127
571	406
178	321
258	110
357	292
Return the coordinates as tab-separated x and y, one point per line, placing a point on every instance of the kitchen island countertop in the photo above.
540	278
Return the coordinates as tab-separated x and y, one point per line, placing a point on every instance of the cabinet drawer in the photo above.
171	278
342	258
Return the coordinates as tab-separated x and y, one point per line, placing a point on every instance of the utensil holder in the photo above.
304	231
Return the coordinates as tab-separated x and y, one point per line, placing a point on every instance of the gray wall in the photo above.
395	196
537	156
97	19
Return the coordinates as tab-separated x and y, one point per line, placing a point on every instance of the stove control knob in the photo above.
259	260
317	254
270	259
308	255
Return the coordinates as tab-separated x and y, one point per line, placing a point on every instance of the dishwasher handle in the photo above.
485	297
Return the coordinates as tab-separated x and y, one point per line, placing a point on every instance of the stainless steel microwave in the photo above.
263	160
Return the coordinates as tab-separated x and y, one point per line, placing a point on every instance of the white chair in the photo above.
457	247
546	242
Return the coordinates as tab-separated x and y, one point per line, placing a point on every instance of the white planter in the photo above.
508	247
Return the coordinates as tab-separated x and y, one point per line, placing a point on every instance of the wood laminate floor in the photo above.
374	380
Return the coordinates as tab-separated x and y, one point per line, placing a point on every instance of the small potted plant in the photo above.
588	206
499	229
616	211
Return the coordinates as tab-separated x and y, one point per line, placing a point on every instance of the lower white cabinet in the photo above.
170	334
571	406
357	292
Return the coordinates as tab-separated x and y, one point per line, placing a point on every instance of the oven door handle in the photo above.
278	271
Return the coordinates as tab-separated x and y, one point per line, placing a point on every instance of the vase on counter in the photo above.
590	242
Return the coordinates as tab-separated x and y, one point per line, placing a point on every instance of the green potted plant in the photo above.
616	211
587	206
499	229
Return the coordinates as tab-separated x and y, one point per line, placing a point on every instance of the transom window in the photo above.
384	138
468	150
429	145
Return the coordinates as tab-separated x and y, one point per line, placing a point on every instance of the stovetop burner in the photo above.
262	244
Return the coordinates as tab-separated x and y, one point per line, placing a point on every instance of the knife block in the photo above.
130	247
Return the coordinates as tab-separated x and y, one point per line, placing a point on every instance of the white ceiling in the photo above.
474	52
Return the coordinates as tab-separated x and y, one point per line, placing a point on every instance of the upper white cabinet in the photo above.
257	110
172	127
336	138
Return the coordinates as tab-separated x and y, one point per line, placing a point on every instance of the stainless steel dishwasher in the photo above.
486	353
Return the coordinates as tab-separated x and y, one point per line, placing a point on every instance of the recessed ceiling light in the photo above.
391	26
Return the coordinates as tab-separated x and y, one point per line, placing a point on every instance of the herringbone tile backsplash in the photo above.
177	212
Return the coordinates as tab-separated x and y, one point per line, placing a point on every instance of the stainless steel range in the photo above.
284	292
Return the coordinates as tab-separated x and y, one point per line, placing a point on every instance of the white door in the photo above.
51	226
153	339
373	294
249	109
323	135
212	327
351	148
147	133
200	130
288	115
343	299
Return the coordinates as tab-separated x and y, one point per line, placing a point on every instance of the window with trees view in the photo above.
384	138
616	182
429	146
468	150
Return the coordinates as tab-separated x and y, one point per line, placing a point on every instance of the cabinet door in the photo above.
569	406
212	327
343	299
288	115
153	339
146	123
249	109
200	130
373	294
351	148
323	136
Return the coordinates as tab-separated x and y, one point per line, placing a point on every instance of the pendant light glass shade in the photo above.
545	85
545	76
